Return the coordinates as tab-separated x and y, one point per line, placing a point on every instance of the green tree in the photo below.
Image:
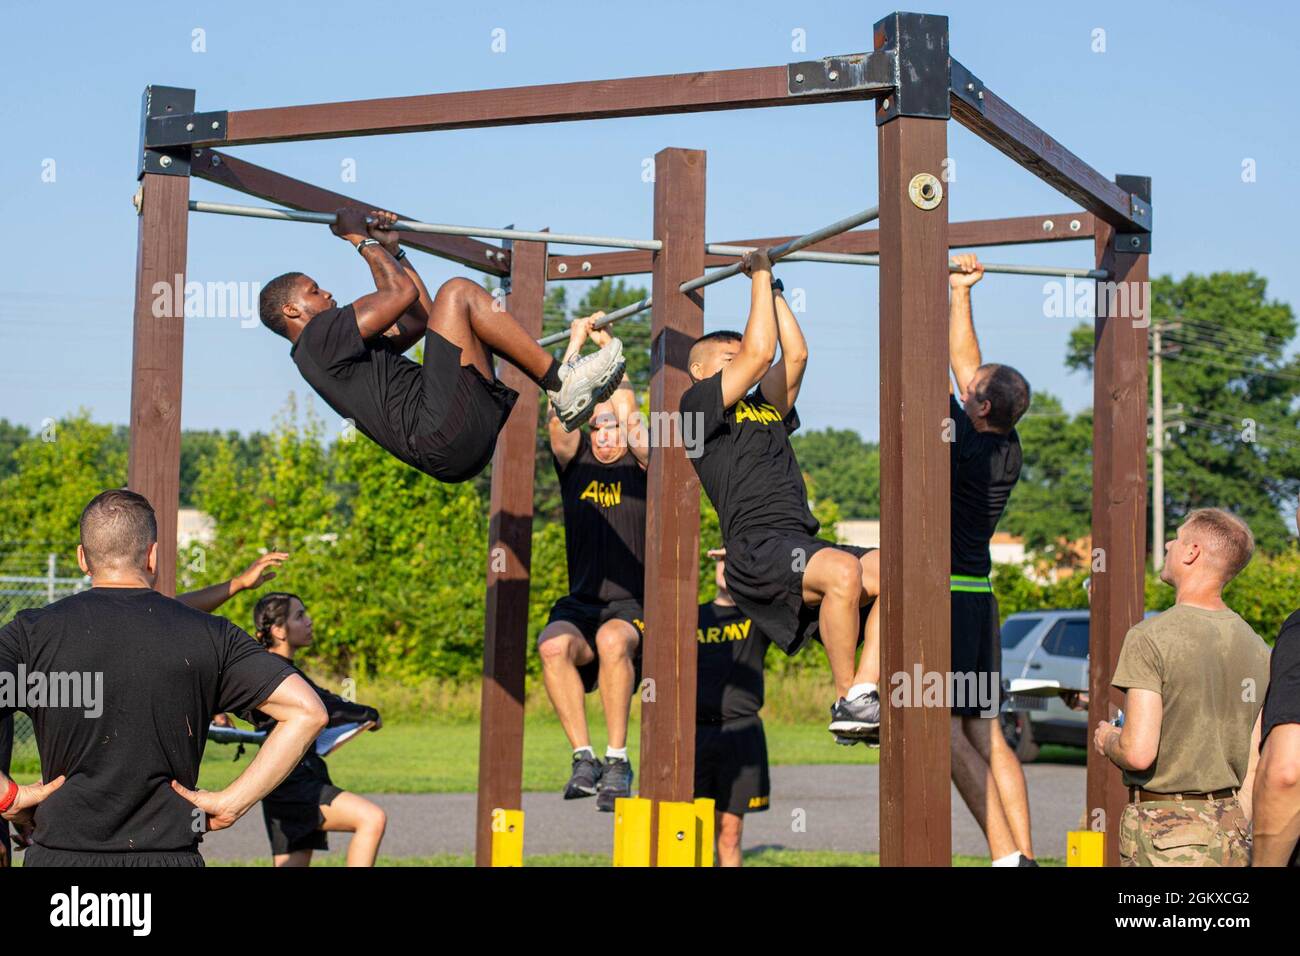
1052	503
1236	386
844	468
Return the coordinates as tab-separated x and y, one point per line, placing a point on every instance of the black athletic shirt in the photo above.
166	669
303	783
370	382
604	525
729	672
748	468
1282	701
985	467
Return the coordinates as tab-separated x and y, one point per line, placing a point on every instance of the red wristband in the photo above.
9	797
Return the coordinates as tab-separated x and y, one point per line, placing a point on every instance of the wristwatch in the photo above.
778	285
400	254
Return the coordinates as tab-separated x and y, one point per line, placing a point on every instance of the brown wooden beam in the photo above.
521	105
973	233
672	560
157	357
510	536
915	795
1119	503
999	124
245	177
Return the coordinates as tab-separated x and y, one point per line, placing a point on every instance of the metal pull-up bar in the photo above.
440	229
855	259
785	250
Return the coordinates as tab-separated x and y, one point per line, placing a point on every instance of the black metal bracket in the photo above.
159	102
965	85
1139	190
184	129
919	42
869	72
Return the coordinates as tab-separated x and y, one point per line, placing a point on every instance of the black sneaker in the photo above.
858	718
585	779
615	782
1027	861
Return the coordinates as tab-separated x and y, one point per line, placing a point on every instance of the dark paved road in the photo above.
836	804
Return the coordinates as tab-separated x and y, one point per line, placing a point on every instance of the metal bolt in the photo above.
884	104
1048	225
1075	225
681	835
970	87
488	253
586	267
199	151
189	127
562	268
165	161
833	75
1135	242
216	160
798	77
980	94
215	124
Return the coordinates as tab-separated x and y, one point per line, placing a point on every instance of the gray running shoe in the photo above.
585	778
614	783
858	718
585	381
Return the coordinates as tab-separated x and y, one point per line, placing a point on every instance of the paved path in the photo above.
839	802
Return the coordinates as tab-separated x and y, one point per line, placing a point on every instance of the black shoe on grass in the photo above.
585	779
616	782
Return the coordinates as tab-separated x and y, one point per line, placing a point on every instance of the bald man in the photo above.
793	584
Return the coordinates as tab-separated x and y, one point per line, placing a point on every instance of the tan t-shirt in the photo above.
1211	671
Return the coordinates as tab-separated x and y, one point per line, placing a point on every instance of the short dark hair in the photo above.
723	335
272	610
1007	393
276	294
117	529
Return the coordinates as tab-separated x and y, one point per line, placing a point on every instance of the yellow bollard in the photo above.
507	837
678	834
1085	848
632	831
704	836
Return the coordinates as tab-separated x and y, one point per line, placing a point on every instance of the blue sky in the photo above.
1154	103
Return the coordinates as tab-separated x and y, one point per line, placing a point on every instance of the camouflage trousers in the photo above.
1184	833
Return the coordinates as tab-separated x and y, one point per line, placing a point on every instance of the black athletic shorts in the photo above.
731	765
38	855
468	411
765	576
977	649
587	617
293	826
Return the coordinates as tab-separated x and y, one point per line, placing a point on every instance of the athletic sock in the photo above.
857	690
551	380
612	753
590	753
1011	859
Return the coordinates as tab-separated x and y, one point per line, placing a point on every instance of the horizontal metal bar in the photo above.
556	337
854	259
441	229
786	248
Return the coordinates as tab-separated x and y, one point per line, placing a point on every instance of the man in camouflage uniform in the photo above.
1194	678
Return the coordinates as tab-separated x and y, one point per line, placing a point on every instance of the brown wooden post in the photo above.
1119	495
672	561
510	536
915	795
158	335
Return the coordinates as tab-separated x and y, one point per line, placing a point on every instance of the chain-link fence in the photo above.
28	579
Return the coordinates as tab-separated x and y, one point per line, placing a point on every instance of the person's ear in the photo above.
151	560
81	560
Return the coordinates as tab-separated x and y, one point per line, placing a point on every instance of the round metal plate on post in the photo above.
925	191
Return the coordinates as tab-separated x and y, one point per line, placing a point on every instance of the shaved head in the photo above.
118	528
711	352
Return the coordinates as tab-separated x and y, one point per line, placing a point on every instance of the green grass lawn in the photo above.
764	857
442	757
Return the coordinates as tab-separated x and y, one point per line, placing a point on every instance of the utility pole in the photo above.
1158	439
